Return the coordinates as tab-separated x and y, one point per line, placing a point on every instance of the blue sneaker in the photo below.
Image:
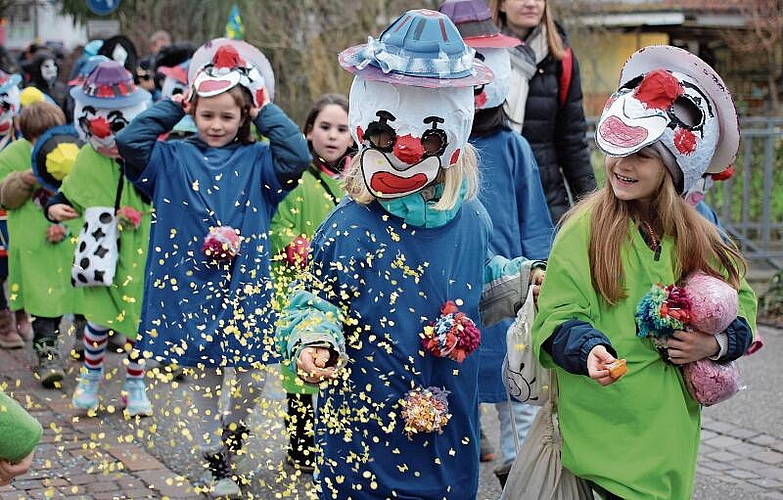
134	396
85	397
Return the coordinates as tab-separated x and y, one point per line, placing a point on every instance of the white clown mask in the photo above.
99	127
494	93
407	134
9	108
49	70
665	106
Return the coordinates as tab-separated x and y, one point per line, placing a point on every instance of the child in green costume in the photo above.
298	216
106	102
41	257
671	122
20	432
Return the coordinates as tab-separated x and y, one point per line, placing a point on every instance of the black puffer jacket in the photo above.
557	136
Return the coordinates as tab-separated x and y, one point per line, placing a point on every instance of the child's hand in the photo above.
183	100
597	360
55	233
28	177
253	111
61	212
8	471
311	365
690	346
537	276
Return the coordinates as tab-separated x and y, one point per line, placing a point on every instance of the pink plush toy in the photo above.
714	305
707	304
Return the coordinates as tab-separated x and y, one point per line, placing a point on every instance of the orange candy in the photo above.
617	368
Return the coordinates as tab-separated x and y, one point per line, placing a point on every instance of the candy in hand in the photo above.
617	368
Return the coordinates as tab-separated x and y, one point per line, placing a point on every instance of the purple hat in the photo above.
474	22
422	48
90	64
109	85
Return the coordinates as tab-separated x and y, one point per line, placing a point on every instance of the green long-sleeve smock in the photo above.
19	431
638	437
299	214
93	182
39	272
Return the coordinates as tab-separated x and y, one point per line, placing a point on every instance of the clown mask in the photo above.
494	93
407	134
9	108
664	106
99	126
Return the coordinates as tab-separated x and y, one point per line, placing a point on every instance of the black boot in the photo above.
51	369
300	419
223	484
235	439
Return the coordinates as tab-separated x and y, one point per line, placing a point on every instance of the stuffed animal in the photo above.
707	304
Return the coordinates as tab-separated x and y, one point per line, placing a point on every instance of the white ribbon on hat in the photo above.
376	51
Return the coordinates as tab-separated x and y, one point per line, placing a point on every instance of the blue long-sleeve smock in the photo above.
197	310
515	200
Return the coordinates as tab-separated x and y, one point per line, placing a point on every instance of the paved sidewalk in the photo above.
110	457
78	457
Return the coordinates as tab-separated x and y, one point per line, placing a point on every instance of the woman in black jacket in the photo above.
543	68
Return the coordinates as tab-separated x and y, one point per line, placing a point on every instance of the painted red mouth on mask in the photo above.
388	183
4	127
617	133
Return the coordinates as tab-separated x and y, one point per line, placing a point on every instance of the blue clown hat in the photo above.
422	48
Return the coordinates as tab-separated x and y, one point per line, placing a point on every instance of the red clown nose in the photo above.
408	149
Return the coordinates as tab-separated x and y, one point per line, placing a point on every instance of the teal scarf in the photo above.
417	211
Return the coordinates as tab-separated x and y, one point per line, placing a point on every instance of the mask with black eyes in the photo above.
665	106
104	104
407	134
99	127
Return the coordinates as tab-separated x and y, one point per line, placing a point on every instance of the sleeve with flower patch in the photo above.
505	287
308	321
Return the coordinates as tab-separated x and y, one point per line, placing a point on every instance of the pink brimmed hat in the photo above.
422	48
474	22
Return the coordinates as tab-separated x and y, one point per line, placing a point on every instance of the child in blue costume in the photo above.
510	176
384	319
293	226
207	289
671	122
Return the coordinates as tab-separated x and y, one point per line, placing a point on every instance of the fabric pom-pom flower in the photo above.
707	304
662	310
453	334
128	218
425	410
221	244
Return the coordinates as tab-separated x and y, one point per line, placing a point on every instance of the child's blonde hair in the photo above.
38	117
698	243
464	171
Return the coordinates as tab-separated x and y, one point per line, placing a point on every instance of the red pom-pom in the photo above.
227	57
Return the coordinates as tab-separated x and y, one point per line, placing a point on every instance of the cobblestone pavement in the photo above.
112	457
